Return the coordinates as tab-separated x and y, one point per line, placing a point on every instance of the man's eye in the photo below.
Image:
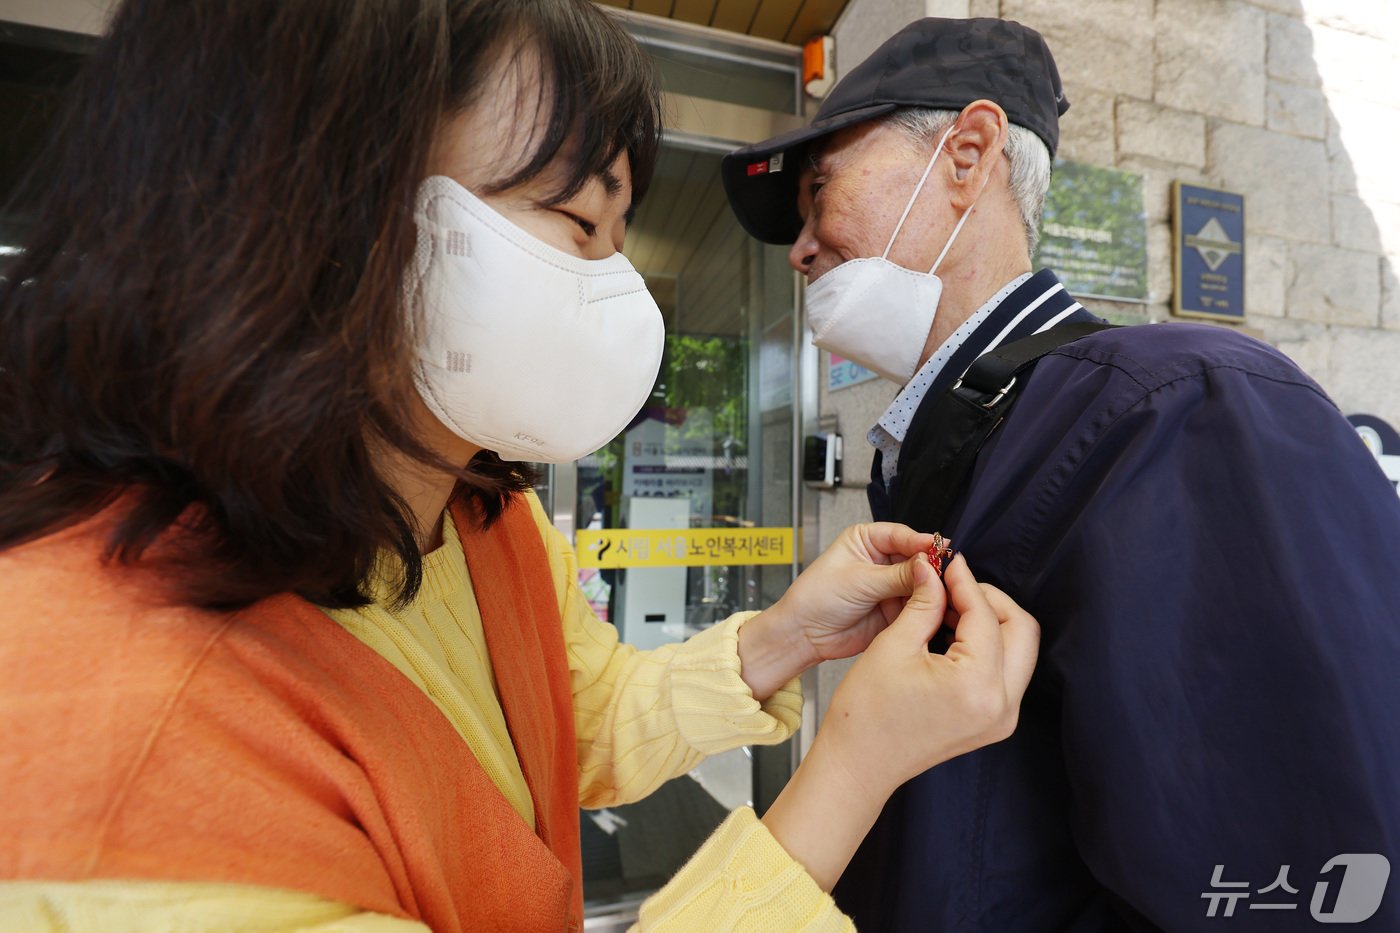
816	187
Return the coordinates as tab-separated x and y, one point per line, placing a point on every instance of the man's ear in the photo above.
977	141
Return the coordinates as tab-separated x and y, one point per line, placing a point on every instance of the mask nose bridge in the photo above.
604	284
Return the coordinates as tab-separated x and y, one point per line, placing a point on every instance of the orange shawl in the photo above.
270	747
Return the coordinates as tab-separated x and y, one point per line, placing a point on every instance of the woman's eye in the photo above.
589	228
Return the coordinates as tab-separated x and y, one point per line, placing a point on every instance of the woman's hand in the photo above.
901	710
835	607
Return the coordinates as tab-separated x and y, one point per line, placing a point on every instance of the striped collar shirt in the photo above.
1028	304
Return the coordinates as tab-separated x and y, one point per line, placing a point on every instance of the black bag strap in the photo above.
992	372
940	450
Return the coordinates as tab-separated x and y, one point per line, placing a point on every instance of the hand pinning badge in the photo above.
940	554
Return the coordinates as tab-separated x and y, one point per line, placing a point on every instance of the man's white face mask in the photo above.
875	312
525	349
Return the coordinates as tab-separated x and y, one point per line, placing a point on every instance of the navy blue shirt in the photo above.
1214	559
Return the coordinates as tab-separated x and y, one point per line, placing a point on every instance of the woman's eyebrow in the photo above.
611	183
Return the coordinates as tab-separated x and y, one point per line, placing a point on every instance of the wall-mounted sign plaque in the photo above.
1207	252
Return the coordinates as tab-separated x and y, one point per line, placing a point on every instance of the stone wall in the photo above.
1294	103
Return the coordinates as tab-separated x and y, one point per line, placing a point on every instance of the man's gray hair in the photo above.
1029	158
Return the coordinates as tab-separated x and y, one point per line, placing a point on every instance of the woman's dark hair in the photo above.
206	320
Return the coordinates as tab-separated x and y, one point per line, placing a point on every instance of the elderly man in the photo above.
1212	555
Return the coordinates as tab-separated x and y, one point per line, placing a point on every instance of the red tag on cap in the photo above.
758	168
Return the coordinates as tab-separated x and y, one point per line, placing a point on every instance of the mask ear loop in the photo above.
915	196
961	220
954	235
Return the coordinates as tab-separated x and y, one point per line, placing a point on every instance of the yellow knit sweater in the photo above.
641	717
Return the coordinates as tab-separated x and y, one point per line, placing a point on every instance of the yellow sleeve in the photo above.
191	907
644	717
741	880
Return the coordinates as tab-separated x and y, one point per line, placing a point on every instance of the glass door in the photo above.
687	516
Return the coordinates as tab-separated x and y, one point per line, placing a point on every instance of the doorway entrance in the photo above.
690	514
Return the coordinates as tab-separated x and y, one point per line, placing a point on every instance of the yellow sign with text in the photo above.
684	547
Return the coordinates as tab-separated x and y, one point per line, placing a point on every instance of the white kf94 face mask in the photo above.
524	349
878	313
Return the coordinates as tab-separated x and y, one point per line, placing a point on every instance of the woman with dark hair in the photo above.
287	641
